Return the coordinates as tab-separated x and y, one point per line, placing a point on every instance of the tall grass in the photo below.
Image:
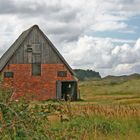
94	122
26	120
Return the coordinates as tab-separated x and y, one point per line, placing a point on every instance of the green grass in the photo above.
109	111
110	91
93	127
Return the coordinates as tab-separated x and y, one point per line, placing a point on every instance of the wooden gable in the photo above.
33	46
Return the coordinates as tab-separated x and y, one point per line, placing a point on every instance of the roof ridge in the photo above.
11	50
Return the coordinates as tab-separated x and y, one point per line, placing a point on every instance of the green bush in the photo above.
25	120
0	78
20	120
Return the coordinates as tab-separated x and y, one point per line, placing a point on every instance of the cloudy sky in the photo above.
103	35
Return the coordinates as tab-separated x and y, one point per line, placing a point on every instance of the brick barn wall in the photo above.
39	87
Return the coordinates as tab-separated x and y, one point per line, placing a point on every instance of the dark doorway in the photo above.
67	90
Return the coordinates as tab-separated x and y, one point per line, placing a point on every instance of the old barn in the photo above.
33	66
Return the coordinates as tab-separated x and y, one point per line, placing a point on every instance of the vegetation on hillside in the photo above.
86	74
112	90
110	109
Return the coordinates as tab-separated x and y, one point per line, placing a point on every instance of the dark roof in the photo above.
8	54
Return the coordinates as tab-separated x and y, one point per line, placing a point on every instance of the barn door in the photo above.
58	89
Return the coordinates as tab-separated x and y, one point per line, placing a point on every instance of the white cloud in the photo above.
67	24
123	69
77	17
102	54
116	40
109	26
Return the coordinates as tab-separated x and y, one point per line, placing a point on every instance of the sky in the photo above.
102	35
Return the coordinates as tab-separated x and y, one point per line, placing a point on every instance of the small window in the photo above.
8	74
29	49
36	69
62	73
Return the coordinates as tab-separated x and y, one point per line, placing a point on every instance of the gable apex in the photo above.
11	51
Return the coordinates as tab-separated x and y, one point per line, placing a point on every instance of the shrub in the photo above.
20	119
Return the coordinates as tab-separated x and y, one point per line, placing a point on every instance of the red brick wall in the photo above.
39	87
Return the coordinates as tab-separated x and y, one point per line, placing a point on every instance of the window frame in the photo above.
29	49
36	59
8	74
34	73
61	73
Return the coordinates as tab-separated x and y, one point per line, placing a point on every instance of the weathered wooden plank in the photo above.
39	45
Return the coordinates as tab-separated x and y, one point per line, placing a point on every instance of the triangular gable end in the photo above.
10	52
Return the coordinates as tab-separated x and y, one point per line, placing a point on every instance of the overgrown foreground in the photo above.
25	120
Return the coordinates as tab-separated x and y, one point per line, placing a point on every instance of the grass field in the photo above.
109	110
111	91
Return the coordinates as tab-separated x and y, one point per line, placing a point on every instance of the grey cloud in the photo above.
1	52
136	68
45	13
65	33
6	6
102	54
66	14
31	8
11	7
65	22
75	20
